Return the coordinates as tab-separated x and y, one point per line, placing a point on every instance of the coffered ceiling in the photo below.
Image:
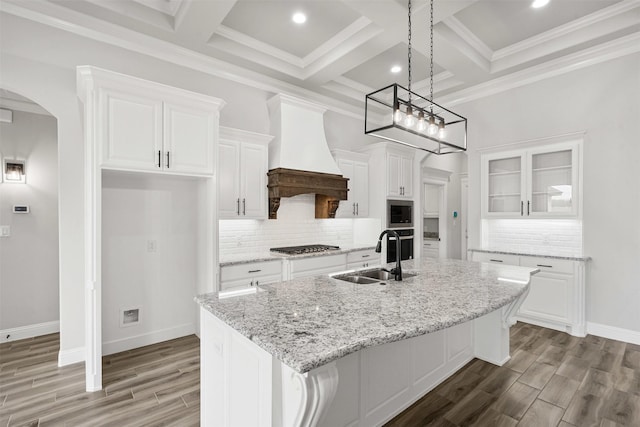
346	48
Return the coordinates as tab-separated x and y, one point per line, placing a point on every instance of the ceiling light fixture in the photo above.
396	69
299	18
539	3
399	115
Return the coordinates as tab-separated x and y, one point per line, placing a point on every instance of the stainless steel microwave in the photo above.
399	213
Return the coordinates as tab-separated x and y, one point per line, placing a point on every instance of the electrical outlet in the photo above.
5	230
152	246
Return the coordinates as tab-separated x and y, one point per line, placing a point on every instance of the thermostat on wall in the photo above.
21	209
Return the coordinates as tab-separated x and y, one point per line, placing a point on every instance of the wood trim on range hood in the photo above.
328	188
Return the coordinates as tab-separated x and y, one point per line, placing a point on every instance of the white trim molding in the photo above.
613	333
29	331
69	357
149	338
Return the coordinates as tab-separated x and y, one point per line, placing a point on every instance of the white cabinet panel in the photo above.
496	258
317	265
549	298
243	175
357	203
188	138
253	180
399	175
431	248
228	179
130	130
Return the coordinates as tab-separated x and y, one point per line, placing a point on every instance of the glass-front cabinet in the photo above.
531	183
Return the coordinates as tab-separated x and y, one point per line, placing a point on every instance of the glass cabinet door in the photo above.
504	185
552	189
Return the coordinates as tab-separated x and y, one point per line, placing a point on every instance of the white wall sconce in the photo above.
15	171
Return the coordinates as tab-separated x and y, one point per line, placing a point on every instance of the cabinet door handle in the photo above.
544	265
168	154
159	158
354	209
357	208
521	208
244	206
528	205
254	271
496	260
252	283
238	206
257	283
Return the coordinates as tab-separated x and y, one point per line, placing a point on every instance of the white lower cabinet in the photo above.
431	248
362	259
317	265
241	276
556	297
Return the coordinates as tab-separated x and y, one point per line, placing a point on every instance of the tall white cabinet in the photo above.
355	167
242	182
136	125
537	182
399	174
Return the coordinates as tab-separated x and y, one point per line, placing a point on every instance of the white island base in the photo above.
243	385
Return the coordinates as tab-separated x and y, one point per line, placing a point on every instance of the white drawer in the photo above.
319	262
548	264
250	270
496	258
434	244
368	255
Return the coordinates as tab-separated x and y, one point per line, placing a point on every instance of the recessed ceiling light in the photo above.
396	69
299	18
539	3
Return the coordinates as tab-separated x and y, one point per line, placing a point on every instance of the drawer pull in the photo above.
254	271
544	265
366	256
496	260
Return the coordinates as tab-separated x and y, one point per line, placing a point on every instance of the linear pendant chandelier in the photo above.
399	115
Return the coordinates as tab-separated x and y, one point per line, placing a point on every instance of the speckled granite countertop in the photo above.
312	321
541	255
270	256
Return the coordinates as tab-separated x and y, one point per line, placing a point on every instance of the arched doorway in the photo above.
29	257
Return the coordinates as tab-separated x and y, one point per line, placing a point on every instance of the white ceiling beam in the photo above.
196	21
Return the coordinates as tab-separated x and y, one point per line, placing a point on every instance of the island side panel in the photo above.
235	377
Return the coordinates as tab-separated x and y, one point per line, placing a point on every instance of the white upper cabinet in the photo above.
399	175
243	164
147	126
431	206
540	182
355	167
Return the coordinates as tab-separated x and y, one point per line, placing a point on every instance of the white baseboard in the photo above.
614	333
29	331
154	337
69	357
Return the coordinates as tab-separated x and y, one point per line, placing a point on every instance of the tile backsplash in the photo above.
553	236
296	225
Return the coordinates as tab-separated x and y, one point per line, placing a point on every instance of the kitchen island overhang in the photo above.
279	357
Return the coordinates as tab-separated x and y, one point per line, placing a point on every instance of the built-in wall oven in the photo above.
399	213
406	245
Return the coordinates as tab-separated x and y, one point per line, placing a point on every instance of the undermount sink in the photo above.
376	275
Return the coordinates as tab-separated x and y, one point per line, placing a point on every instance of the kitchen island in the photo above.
321	351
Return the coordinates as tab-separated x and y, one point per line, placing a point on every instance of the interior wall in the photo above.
39	62
29	256
602	101
149	258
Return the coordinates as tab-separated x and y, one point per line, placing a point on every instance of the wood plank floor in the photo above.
149	386
553	379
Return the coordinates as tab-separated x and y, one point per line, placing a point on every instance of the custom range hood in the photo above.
299	157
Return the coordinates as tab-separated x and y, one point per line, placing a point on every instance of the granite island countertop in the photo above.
532	254
309	322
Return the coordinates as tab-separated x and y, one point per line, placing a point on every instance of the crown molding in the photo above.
235	134
591	56
469	37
